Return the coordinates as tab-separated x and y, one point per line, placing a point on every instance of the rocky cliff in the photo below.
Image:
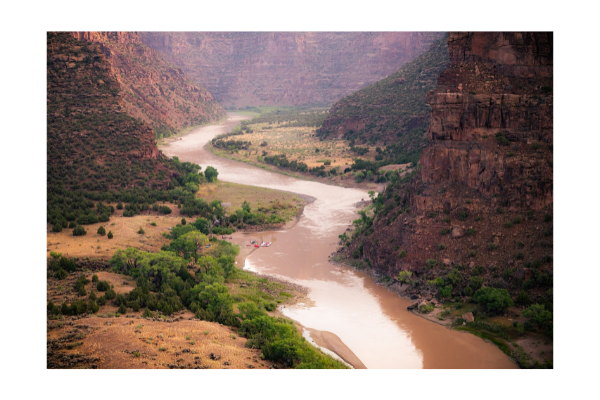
287	68
481	203
154	90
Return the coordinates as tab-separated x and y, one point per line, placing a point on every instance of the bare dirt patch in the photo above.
142	343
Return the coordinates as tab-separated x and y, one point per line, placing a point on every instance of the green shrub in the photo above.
508	224
432	263
183	221
101	301
478	270
72	224
93	307
520	256
468	291
101	231
502	140
478	218
153	223
472	253
110	235
470	232
426	308
520	244
102	286
475	282
441	246
79	231
499	210
463	215
404	276
492	246
141	231
122	309
119	206
94	278
494	300
517	220
444	231
402	254
147	314
538	314
61	274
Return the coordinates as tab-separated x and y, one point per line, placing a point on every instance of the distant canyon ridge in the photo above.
287	68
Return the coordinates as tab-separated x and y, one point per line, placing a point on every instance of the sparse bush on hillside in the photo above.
102	286
101	231
110	235
79	231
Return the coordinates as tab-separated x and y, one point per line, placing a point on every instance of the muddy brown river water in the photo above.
372	321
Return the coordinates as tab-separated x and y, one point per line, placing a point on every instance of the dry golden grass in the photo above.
124	231
297	143
161	344
234	194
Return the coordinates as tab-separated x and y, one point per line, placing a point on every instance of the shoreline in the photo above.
430	317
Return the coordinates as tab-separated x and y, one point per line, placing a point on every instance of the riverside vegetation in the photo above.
286	139
188	274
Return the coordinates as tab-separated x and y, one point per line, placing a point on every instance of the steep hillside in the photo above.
96	151
479	209
287	68
154	90
391	111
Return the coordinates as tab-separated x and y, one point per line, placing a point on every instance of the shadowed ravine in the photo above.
370	320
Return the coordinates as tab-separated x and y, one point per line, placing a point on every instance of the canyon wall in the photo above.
154	90
287	68
483	196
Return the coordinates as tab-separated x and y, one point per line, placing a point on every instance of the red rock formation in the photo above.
504	87
484	193
293	68
154	90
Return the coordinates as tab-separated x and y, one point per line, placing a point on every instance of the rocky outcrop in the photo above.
154	90
482	201
491	132
287	68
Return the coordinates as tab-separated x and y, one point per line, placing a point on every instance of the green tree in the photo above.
493	299
211	174
110	235
183	221
101	231
246	206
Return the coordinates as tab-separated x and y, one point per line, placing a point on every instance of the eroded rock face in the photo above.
491	129
154	90
486	179
287	68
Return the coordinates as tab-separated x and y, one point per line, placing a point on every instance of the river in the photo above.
372	321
